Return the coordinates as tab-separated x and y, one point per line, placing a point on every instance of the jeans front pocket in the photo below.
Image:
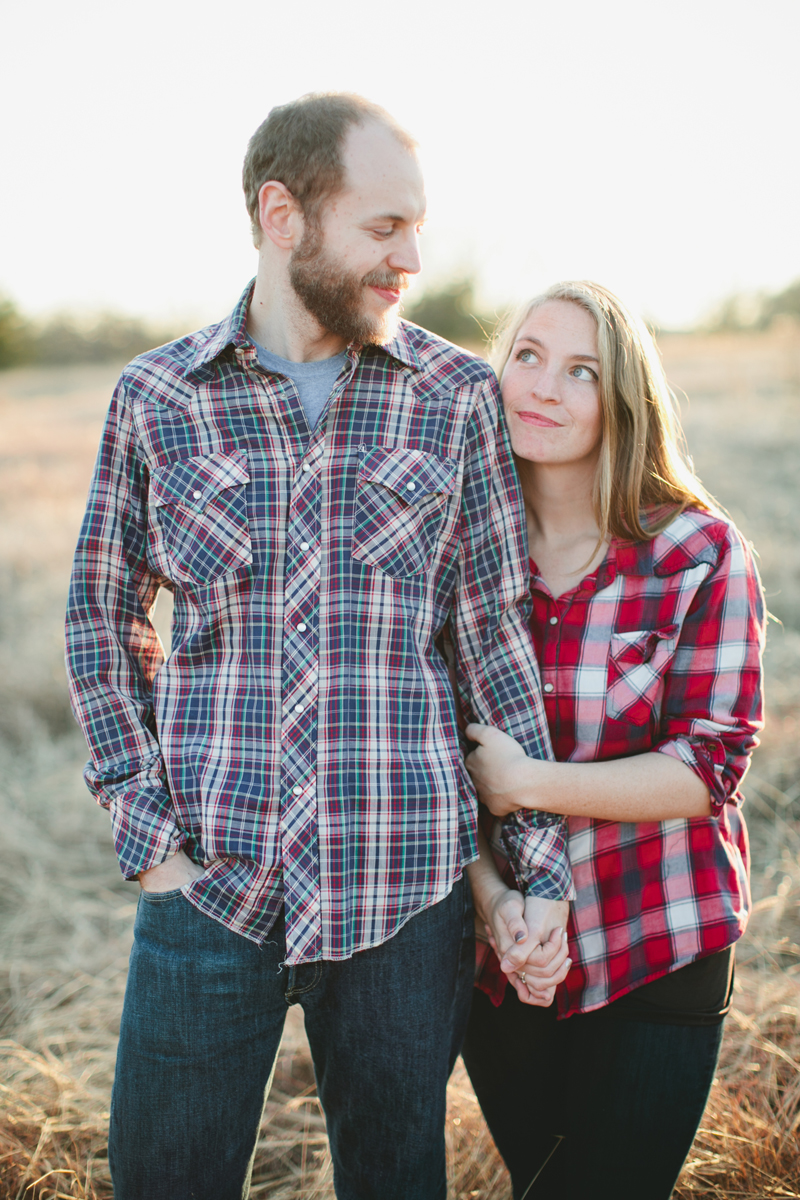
199	507
160	897
400	505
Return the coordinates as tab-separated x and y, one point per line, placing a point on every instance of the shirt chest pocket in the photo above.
400	505
199	507
637	664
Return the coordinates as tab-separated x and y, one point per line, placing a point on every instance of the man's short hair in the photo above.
300	144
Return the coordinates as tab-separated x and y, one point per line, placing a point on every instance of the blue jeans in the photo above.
625	1097
202	1021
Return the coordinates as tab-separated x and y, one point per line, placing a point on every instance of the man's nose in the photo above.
406	256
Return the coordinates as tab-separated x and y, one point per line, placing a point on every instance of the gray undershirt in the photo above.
314	380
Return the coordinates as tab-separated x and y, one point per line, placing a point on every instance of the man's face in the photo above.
351	269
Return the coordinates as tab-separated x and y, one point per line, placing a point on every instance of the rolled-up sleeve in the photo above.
712	707
496	667
113	652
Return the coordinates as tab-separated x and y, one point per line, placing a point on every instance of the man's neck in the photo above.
280	322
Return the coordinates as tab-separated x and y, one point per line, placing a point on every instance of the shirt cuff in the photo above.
706	759
536	845
145	832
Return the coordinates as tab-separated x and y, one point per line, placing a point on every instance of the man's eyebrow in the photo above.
398	219
535	341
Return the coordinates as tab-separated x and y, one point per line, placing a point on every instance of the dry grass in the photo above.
66	916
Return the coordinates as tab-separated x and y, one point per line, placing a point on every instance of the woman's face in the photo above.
551	386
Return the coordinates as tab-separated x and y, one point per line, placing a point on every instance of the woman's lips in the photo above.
534	418
390	295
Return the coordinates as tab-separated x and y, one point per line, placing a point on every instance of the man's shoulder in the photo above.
435	355
177	365
170	367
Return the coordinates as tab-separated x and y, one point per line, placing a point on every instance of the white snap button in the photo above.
197	495
306	468
302	627
554	620
298	708
548	687
297	791
304	546
411	487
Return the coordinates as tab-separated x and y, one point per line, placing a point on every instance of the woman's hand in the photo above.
529	938
501	770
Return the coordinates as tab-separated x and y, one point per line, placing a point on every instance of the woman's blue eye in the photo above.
526	356
588	374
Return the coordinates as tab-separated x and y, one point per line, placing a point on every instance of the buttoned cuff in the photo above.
536	845
145	833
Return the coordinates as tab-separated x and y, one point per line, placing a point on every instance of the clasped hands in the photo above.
529	937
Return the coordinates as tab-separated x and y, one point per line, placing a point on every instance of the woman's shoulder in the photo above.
693	537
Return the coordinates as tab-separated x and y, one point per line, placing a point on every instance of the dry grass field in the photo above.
66	915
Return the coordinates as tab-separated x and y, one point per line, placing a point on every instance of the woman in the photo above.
648	622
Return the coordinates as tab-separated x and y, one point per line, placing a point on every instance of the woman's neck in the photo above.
563	534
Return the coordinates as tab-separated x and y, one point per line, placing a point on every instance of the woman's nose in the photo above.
545	387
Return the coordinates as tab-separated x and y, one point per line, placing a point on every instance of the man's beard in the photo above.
336	298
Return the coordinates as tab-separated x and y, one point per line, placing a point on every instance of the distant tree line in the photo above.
64	339
755	311
449	309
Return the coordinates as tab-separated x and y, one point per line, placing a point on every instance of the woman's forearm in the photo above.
484	878
644	787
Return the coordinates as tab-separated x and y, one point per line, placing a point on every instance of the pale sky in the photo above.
650	146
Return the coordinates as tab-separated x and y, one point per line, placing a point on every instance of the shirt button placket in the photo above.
550	657
299	833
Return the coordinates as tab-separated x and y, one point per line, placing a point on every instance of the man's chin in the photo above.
384	329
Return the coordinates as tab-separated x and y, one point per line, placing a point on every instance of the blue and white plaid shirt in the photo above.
300	741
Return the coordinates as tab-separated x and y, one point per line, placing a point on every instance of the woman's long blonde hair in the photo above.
643	472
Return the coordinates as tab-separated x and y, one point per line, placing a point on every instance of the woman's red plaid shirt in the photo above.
657	650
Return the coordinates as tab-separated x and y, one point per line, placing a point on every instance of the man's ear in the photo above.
279	214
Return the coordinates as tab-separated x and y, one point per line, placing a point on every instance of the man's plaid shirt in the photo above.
398	514
657	650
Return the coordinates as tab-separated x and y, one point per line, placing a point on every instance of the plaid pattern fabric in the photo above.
658	650
300	741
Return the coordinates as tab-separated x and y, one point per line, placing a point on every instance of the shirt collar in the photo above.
233	332
685	543
230	332
682	545
402	348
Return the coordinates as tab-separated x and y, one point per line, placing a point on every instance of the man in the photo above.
323	489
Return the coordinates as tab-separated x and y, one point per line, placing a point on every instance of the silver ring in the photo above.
522	977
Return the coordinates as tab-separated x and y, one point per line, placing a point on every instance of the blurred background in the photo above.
650	146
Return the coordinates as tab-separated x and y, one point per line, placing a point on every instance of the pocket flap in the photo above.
194	482
638	645
412	474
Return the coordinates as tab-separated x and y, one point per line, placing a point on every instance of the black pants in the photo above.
625	1095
